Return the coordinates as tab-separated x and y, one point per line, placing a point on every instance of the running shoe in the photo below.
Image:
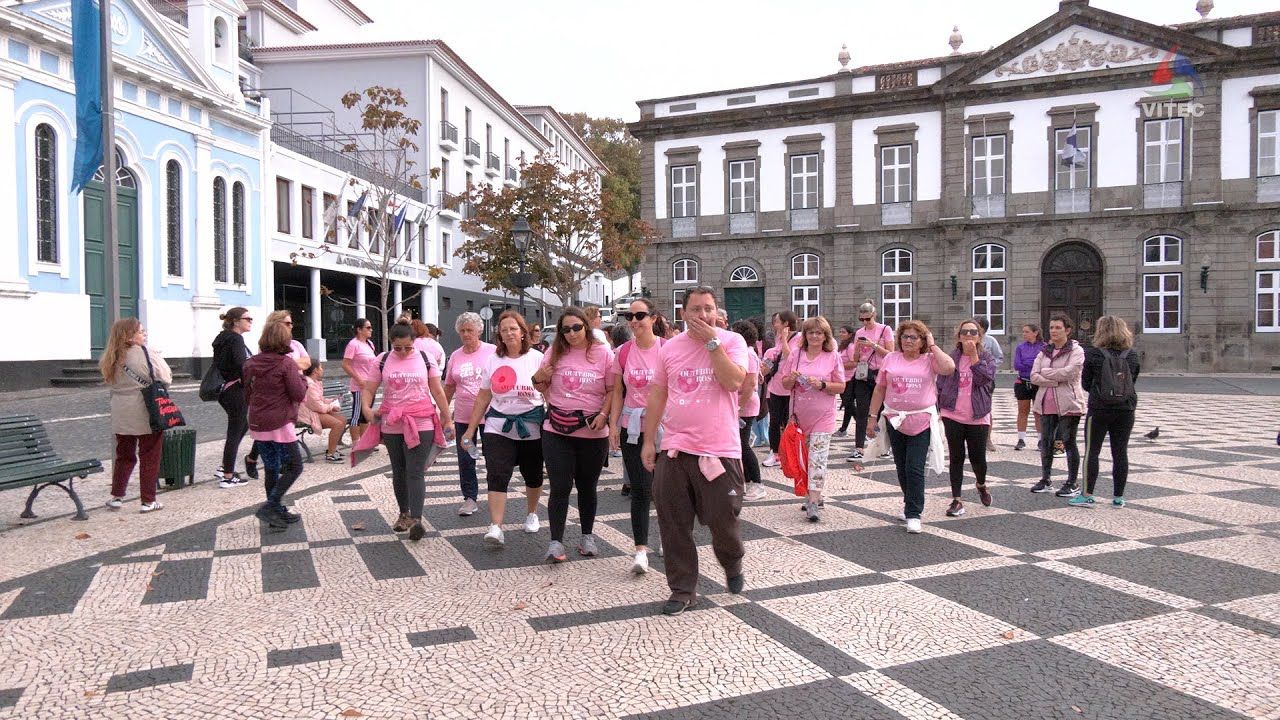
531	524
1068	490
640	565
1118	501
115	503
857	454
840	433
417	532
469	508
771	461
913	526
495	537
886	456
402	523
1022	444
250	467
235	480
268	515
1043	486
1081	501
151	506
626	491
587	546
984	494
736	583
333	457
755	491
555	552
289	517
811	512
956	509
675	607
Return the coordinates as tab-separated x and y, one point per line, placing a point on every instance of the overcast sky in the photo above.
601	56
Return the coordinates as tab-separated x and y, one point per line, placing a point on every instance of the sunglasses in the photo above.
246	318
968	331
629	316
866	319
571	329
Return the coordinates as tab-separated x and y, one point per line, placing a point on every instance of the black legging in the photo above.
962	437
779	414
233	402
641	487
1059	427
1099	424
573	462
858	404
750	465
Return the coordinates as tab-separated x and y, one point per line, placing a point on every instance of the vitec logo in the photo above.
1176	71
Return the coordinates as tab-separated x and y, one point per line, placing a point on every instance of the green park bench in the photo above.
331	388
27	459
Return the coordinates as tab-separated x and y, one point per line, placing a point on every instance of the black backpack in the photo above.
1114	387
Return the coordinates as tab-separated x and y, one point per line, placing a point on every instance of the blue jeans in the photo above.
760	430
909	454
467	479
281	465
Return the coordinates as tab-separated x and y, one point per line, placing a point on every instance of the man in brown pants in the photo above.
694	395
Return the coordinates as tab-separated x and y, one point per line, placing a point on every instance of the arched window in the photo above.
684	271
46	194
744	273
237	233
1269	246
804	266
1162	250
124	178
173	216
219	230
896	262
988	258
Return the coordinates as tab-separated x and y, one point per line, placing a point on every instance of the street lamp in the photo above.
521	234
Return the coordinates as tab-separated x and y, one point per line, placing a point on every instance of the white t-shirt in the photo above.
510	380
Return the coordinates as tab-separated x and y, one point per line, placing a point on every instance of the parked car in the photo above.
623	302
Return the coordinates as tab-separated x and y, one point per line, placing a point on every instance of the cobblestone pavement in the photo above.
1168	608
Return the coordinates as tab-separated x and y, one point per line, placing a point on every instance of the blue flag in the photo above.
399	222
86	59
355	209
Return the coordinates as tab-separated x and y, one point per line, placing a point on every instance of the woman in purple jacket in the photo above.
274	388
1024	356
964	401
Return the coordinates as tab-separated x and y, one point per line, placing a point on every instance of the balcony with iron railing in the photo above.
448	136
473	152
492	165
512	176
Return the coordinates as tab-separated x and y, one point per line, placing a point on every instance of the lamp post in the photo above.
521	233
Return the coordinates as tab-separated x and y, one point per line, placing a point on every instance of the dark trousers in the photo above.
233	403
502	456
862	390
573	462
1052	429
962	438
779	414
750	465
281	465
467	479
130	451
641	487
408	469
909	454
683	494
1099	424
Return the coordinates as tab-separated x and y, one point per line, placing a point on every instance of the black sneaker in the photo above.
271	517
290	517
626	490
1043	486
417	532
1068	490
736	583
250	467
675	607
1022	445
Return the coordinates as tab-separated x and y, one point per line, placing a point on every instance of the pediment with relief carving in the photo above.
1076	49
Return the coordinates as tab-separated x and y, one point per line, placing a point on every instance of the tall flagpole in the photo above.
111	253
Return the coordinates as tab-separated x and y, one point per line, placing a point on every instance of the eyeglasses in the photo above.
402	349
968	331
866	319
629	316
571	329
246	318
289	323
912	338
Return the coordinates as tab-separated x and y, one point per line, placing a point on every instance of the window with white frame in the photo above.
895	303
988	165
283	191
1072	169
1162	151
744	273
684	271
684	191
46	193
896	262
895	174
238	228
804	181
742	186
220	230
805	266
1268	143
988	302
1268	293
1162	250
1162	302
677	306
804	301
173	217
446	248
1269	246
988	258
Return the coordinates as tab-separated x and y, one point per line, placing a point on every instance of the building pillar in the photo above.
315	341
13	281
205	302
360	298
397	297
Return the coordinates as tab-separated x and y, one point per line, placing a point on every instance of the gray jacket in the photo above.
128	411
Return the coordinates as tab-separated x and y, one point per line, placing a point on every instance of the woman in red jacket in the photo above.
274	388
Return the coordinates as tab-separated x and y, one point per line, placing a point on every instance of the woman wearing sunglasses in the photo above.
575	380
871	343
408	421
635	363
964	401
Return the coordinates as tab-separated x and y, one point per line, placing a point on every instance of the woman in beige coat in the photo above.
124	370
1059	403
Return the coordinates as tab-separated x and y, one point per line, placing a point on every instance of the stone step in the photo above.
76	381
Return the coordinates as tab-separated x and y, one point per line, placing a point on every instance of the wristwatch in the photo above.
824	385
712	344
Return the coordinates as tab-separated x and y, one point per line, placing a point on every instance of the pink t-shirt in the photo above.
751	407
701	417
298	351
774	355
362	358
464	372
815	410
909	385
433	349
581	381
510	381
638	378
404	382
964	400
877	334
286	433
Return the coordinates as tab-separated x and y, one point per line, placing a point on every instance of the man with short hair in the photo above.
694	394
722	319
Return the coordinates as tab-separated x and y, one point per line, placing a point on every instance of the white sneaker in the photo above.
531	524
469	508
756	492
771	461
231	482
494	536
913	526
151	507
115	503
641	564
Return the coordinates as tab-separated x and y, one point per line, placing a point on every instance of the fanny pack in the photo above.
567	422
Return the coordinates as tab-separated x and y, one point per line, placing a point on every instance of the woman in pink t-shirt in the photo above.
964	401
461	383
907	390
871	343
815	375
357	358
786	339
631	385
748	410
413	410
575	380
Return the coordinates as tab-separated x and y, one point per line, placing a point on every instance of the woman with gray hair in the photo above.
461	383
